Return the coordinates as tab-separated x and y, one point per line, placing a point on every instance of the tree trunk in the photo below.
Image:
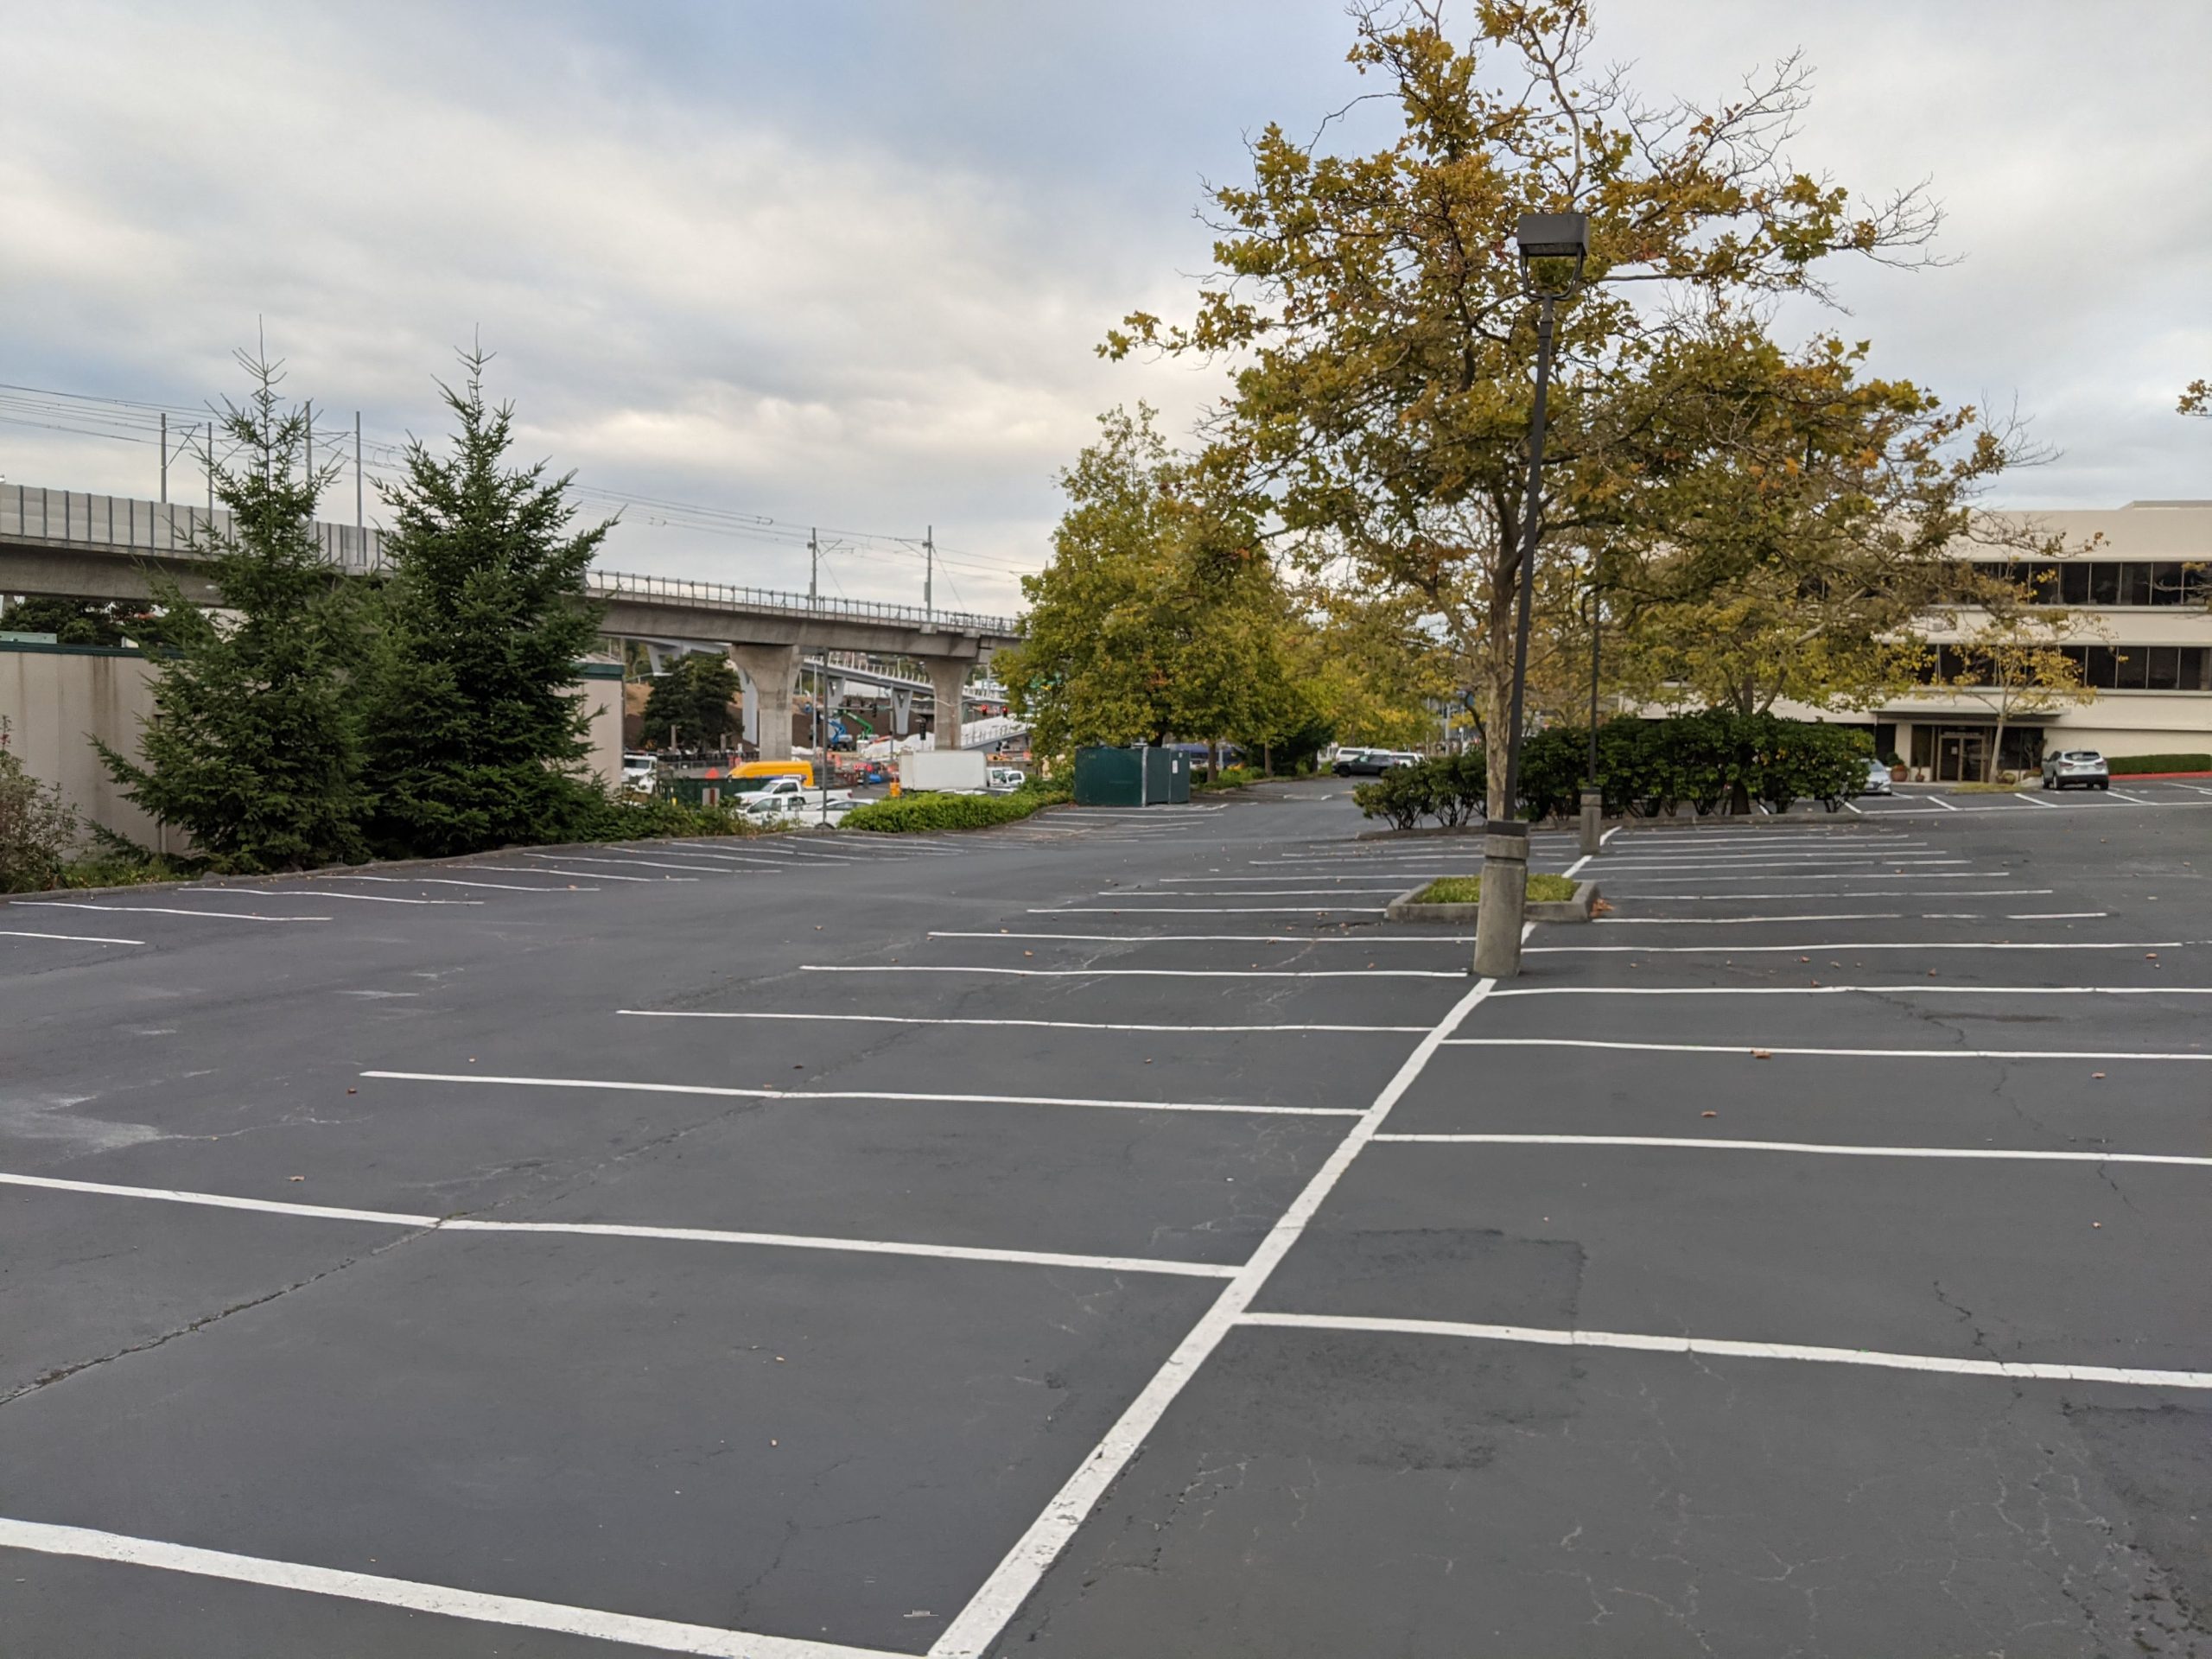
1996	748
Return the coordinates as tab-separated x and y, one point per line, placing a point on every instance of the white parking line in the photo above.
622	1230
725	1091
1886	945
951	1020
1863	892
1741	921
1817	876
1818	1149
595	875
163	910
1208	909
1791	862
1221	938
1260	892
2057	916
75	938
582	875
986	1612
517	1612
1918	988
2018	1370
719	867
357	898
1755	1050
1137	973
447	881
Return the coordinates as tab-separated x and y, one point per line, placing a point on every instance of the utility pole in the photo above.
310	445
929	578
813	567
359	523
165	458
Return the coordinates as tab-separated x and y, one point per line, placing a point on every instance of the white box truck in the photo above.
950	771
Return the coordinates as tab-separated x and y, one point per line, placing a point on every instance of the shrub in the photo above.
2121	766
911	814
1468	890
37	828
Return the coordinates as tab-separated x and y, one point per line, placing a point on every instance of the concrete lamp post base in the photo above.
1504	903
1593	821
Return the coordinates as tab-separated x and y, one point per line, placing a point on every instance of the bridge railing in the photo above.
171	529
716	595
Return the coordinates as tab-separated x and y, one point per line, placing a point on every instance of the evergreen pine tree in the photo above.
254	749
695	697
475	728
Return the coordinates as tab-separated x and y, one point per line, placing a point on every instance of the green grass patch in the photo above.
1994	789
916	814
1468	890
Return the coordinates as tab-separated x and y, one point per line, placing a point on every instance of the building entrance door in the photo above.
1961	757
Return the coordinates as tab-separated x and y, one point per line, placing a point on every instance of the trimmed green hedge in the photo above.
1647	767
909	814
2121	766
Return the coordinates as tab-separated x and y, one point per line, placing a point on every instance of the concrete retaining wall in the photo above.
55	699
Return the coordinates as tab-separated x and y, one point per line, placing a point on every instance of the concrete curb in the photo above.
1577	909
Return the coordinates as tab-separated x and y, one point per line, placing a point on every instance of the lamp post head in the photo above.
1552	235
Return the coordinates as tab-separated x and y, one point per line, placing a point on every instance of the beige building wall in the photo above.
55	699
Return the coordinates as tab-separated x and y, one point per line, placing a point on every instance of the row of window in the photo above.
2107	582
2104	668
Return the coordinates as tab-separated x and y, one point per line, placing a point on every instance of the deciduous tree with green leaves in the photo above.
2012	657
1158	616
254	748
475	728
1372	308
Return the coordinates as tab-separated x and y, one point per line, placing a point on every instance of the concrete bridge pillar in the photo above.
947	676
771	675
902	713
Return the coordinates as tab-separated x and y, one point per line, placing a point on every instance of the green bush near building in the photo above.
2123	766
916	814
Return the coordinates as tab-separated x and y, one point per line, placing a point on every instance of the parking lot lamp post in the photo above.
1593	790
1550	237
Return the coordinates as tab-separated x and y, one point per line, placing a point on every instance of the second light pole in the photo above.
1551	237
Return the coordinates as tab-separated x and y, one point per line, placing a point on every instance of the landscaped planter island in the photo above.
1457	898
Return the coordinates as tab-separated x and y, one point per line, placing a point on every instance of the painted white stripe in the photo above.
725	1091
2034	801
665	1635
619	1229
163	910
1787	861
717	866
1207	910
595	875
1222	938
357	898
1863	892
1945	805
1256	892
446	881
1137	973
1885	874
1907	944
1919	988
74	938
941	1019
1852	809
2058	915
1472	866
2122	795
2018	1370
1011	1582
1820	1148
1741	921
1837	1053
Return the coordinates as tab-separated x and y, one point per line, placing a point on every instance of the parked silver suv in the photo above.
2083	766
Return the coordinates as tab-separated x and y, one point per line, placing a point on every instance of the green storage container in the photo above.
1133	777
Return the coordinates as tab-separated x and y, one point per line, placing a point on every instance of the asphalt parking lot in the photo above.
1107	1236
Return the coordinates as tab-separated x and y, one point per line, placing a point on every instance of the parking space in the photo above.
1107	1235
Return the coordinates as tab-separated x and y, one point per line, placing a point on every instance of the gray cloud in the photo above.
848	263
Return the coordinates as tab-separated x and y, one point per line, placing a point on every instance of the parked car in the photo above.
1878	780
1371	763
2068	766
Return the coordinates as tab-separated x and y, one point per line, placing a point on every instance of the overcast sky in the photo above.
844	262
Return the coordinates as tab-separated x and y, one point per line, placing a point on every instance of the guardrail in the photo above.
171	529
163	527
